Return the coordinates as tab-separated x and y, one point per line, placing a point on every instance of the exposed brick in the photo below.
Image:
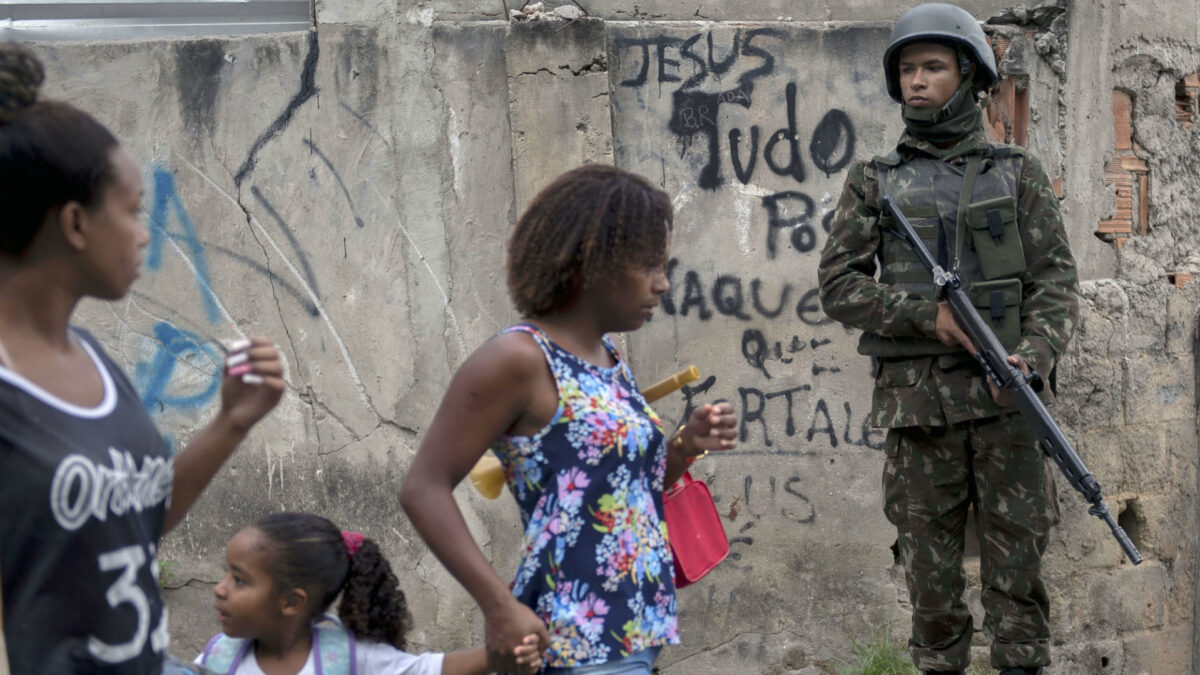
1000	45
1144	202
1187	93
1129	175
1007	113
1180	279
1122	107
1131	163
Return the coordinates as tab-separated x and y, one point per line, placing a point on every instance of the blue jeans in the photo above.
634	664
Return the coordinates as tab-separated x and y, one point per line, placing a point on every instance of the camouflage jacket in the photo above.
947	389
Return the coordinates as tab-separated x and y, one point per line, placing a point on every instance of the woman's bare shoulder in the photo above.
513	356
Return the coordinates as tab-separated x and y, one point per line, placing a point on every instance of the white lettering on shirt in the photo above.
81	489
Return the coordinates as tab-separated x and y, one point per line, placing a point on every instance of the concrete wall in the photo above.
349	192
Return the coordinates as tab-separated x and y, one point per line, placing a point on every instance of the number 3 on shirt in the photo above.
129	560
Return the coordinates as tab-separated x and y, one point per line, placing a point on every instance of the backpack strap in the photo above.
890	160
224	654
1004	151
333	649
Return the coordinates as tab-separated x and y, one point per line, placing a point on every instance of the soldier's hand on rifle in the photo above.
1003	397
948	330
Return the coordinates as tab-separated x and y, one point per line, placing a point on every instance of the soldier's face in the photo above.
928	74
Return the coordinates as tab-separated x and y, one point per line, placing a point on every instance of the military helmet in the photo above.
941	23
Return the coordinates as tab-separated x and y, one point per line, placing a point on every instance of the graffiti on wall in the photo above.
729	104
184	371
155	378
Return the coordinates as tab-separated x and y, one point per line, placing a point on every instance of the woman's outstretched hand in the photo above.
711	428
253	382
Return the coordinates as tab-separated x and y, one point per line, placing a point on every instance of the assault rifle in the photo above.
994	359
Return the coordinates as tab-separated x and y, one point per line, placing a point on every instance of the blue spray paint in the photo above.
152	378
166	200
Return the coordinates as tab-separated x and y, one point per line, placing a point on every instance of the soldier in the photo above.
987	211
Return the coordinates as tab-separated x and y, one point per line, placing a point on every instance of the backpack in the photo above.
333	649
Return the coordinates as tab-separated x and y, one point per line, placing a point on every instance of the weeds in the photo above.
165	577
881	655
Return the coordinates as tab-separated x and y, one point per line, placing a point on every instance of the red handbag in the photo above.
694	529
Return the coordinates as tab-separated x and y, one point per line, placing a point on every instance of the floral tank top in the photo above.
596	566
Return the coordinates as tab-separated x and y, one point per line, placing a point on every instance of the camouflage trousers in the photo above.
930	478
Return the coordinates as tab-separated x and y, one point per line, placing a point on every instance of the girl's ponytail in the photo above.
309	552
373	606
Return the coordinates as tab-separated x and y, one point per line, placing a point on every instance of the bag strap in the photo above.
964	198
333	649
686	480
224	654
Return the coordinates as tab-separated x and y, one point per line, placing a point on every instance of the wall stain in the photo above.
198	66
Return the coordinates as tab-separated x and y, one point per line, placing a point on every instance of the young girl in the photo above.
584	455
87	484
285	571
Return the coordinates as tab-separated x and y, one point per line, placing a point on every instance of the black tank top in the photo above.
83	498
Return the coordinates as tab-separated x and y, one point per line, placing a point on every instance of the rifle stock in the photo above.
993	357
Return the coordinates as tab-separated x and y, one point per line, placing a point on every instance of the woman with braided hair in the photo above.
88	486
282	575
584	455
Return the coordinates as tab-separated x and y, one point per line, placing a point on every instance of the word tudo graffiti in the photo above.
830	148
695	105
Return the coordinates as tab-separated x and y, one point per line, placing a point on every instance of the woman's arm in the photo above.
242	406
492	391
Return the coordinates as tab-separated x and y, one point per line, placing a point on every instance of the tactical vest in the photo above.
333	650
928	192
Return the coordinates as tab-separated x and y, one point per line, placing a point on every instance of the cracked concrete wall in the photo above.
349	191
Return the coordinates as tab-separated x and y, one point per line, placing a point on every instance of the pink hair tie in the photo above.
353	541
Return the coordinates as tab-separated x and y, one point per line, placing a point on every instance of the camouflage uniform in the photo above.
949	444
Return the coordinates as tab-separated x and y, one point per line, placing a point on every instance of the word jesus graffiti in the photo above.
696	104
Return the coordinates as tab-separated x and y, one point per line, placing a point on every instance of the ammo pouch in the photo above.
999	304
870	344
994	234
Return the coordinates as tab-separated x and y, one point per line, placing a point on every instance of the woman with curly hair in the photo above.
282	575
584	455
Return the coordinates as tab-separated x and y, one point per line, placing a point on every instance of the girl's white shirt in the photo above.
372	658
